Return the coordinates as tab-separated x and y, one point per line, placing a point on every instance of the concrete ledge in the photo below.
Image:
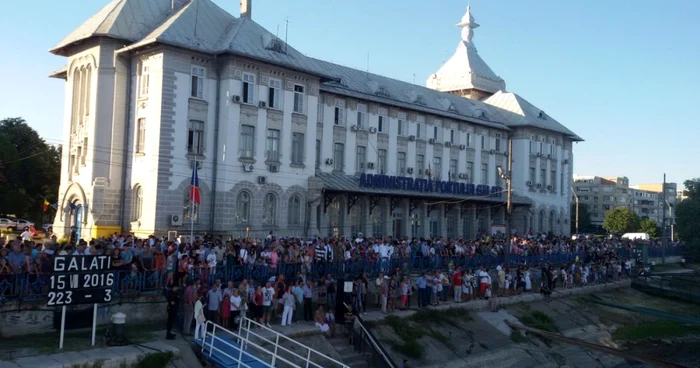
480	305
113	357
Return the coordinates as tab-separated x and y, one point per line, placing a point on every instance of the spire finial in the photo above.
467	24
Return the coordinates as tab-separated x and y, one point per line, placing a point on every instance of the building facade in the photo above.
602	194
287	143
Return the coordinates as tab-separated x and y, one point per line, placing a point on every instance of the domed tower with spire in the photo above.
466	74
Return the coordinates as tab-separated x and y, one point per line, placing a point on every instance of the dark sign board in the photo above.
81	280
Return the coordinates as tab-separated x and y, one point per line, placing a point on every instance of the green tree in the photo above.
648	226
29	170
621	220
688	215
584	218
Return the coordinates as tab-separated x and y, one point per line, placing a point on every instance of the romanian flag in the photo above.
46	205
194	187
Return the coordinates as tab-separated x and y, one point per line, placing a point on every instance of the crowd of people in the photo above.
206	278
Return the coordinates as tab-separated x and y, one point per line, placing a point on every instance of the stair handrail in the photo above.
278	335
240	347
377	346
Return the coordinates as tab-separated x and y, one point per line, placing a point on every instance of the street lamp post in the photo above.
575	198
509	194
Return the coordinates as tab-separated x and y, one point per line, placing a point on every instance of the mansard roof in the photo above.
514	111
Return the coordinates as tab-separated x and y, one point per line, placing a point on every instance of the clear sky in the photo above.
622	74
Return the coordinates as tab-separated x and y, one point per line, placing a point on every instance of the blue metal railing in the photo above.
34	287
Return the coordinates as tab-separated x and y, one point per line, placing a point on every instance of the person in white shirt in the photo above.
199	319
26	235
268	296
211	262
236	305
288	312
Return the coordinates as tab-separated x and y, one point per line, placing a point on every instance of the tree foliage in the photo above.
648	226
621	220
688	214
29	170
584	218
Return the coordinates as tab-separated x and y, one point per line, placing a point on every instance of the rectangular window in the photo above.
274	93
198	75
381	161
469	140
140	135
470	171
401	128
361	116
401	163
318	153
247	141
553	180
297	148
543	177
551	149
452	136
273	145
484	173
339	115
144	82
380	124
418	126
195	137
531	177
420	164
248	88
360	159
453	168
338	156
437	167
541	147
435	133
299	99
498	145
483	142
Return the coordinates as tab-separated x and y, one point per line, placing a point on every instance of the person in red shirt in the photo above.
457	283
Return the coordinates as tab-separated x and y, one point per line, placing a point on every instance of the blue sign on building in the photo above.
429	186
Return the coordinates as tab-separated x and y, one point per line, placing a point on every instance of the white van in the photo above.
636	236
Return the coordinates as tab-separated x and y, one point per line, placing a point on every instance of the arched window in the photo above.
75	109
137	203
552	215
541	222
269	209
294	211
88	82
243	208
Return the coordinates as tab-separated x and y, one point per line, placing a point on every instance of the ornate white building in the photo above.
286	142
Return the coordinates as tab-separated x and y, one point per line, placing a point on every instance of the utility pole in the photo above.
663	221
576	199
507	176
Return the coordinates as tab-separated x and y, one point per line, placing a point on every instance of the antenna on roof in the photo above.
368	63
286	34
278	31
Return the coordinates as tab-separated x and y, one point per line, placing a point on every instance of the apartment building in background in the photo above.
602	194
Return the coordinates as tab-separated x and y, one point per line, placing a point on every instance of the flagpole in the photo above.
192	204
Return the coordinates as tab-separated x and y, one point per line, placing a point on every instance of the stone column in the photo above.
367	217
313	225
442	209
473	221
460	220
388	221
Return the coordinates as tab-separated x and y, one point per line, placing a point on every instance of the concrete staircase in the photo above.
347	352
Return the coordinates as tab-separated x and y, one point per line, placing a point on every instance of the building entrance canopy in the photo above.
415	189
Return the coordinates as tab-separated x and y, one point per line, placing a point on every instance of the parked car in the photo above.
47	227
6	223
23	224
